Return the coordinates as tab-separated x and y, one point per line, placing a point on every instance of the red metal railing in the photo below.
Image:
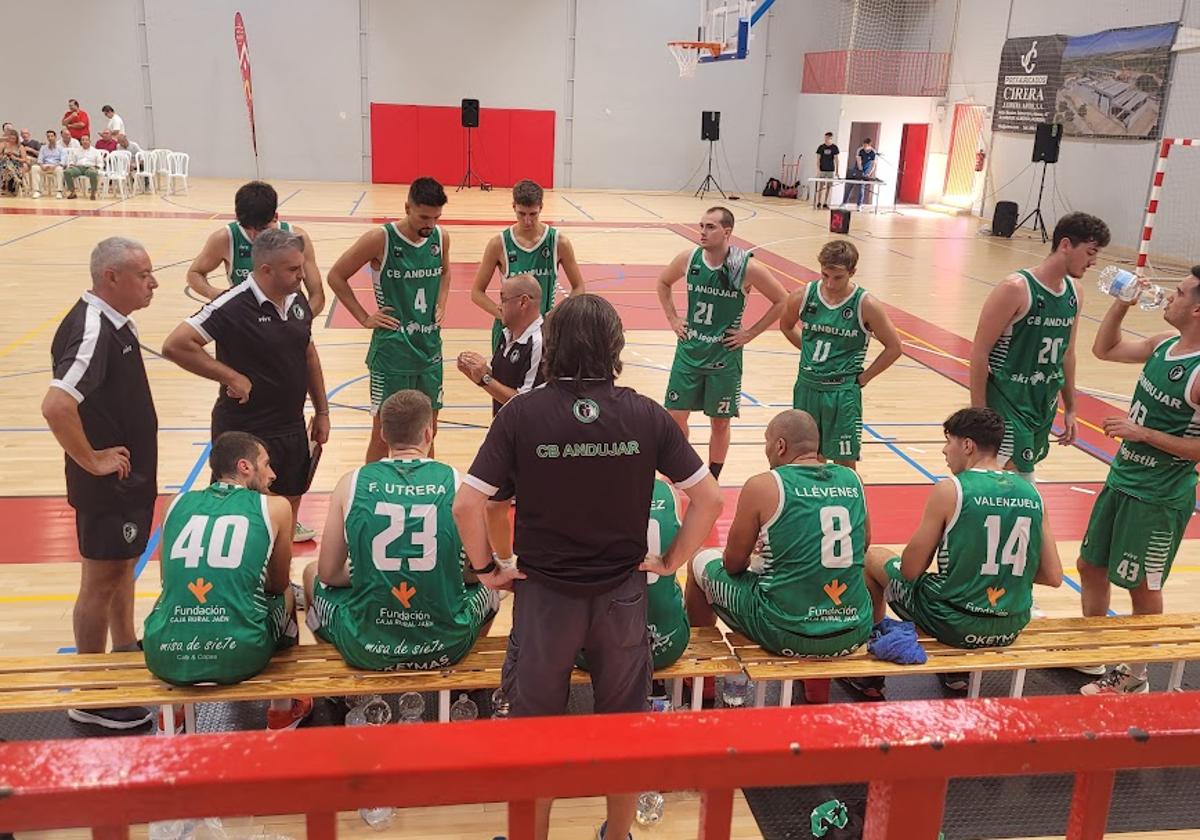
907	752
876	72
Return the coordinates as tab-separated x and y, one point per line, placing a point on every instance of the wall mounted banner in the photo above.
1108	84
243	52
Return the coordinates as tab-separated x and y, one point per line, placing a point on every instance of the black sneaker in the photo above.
869	688
956	681
118	717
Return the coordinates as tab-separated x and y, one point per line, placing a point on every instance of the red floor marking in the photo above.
42	528
630	288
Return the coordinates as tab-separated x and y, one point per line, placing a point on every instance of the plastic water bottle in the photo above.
372	711
736	690
411	706
650	808
1123	285
464	708
501	708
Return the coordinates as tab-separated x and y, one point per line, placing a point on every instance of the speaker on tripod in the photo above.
710	130
470	121
1046	142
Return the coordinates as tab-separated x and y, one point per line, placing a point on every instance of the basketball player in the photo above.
808	597
410	271
255	205
1023	356
528	247
226	604
400	602
706	373
989	533
1139	517
831	321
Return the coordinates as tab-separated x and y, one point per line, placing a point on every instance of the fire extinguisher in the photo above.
980	157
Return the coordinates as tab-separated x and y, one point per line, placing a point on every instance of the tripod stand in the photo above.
1039	222
465	183
709	182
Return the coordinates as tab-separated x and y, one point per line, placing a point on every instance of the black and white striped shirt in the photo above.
517	362
97	360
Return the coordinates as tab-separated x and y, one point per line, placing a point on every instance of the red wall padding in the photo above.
409	141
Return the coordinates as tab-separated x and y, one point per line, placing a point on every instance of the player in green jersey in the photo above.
410	272
706	374
254	205
1139	517
226	604
831	322
804	594
528	247
1023	356
988	531
391	593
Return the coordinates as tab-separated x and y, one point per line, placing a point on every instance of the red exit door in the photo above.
911	172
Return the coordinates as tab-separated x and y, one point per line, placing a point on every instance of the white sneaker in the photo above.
1118	681
1092	670
303	533
37	194
58	194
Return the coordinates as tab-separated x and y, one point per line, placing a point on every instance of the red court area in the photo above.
630	288
41	529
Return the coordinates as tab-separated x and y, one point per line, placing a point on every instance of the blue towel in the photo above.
896	641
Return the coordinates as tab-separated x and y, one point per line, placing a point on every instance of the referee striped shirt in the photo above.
97	361
517	362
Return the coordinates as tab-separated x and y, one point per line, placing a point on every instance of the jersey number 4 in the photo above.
420	553
223	548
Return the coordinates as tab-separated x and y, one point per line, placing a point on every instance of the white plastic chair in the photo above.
116	171
143	171
161	170
177	170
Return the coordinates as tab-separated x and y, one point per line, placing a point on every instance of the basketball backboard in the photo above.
726	22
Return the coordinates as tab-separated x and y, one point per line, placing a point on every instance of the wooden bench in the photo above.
57	682
1044	643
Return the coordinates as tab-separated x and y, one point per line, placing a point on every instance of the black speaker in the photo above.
1046	142
710	125
470	113
839	221
1004	219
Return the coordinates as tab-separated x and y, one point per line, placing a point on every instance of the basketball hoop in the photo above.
687	54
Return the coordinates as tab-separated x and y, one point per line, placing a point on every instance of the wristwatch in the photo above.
485	380
489	568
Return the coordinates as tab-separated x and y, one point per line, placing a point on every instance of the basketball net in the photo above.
687	54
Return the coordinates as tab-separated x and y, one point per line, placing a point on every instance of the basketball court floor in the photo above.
932	272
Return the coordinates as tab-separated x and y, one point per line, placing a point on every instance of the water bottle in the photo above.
464	708
1123	285
736	690
501	708
650	808
372	711
411	706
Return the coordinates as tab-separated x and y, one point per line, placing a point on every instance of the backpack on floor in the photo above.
773	188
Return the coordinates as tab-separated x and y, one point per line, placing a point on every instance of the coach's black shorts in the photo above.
289	456
113	535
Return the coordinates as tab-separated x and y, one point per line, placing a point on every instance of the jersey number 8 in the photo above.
837	543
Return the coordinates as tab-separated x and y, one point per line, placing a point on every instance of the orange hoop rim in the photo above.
713	47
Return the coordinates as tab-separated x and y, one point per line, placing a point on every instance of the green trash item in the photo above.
827	815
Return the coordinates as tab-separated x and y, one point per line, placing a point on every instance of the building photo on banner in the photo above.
602	419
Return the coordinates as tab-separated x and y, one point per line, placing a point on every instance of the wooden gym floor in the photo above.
932	271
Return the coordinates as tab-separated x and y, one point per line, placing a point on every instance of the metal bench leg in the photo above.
1176	681
443	706
974	684
697	693
677	693
785	693
760	693
1017	689
168	715
189	718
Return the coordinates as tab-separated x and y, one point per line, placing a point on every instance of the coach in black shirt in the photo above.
99	408
582	454
266	361
516	368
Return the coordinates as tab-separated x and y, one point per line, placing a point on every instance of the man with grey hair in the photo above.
101	412
266	361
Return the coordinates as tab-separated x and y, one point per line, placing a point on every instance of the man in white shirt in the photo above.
115	124
86	164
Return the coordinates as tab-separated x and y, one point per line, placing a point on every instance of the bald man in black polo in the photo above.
582	454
